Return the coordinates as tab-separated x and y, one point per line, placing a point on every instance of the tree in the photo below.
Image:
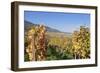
35	43
81	43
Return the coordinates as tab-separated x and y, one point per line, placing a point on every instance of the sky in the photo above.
65	22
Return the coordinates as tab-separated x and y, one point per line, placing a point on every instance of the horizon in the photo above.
55	20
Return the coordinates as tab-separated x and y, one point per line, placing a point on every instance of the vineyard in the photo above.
41	45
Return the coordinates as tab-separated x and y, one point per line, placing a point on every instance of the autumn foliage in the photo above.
40	46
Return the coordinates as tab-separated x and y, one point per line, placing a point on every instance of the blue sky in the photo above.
66	22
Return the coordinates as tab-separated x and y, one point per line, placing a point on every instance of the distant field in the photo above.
58	34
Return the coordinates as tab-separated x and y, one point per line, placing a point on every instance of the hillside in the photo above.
28	24
50	31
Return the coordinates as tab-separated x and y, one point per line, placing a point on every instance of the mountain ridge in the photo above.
28	24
